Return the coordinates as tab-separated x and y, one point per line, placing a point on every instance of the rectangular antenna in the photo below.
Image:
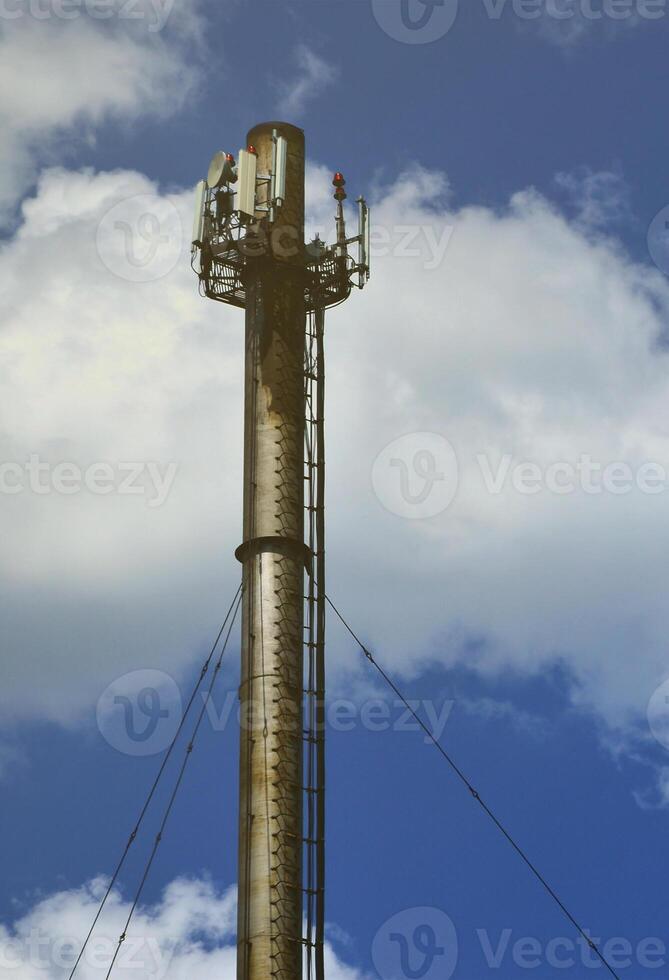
198	222
246	184
280	156
363	241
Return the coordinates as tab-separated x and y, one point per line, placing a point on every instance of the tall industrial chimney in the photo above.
249	252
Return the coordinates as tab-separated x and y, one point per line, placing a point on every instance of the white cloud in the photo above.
189	932
79	73
601	199
486	709
534	340
573	22
109	370
314	74
531	337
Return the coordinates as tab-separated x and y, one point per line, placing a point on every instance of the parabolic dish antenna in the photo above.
218	169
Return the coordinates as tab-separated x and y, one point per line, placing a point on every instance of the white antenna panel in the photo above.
367	240
198	223
280	158
246	187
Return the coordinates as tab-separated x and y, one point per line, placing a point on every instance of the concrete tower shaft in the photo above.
273	554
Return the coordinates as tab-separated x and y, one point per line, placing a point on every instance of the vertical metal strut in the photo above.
314	755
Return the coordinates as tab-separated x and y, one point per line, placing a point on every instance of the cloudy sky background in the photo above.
517	309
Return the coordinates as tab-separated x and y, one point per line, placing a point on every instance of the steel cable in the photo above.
156	781
461	776
175	790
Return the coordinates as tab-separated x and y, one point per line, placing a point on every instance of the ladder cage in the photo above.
314	660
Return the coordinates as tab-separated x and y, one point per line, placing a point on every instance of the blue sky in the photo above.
491	103
534	153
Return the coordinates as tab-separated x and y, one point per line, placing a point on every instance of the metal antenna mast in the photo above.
249	251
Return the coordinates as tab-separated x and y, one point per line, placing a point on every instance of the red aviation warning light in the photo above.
338	182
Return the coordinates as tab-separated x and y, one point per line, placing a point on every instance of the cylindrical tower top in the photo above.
283	129
290	216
